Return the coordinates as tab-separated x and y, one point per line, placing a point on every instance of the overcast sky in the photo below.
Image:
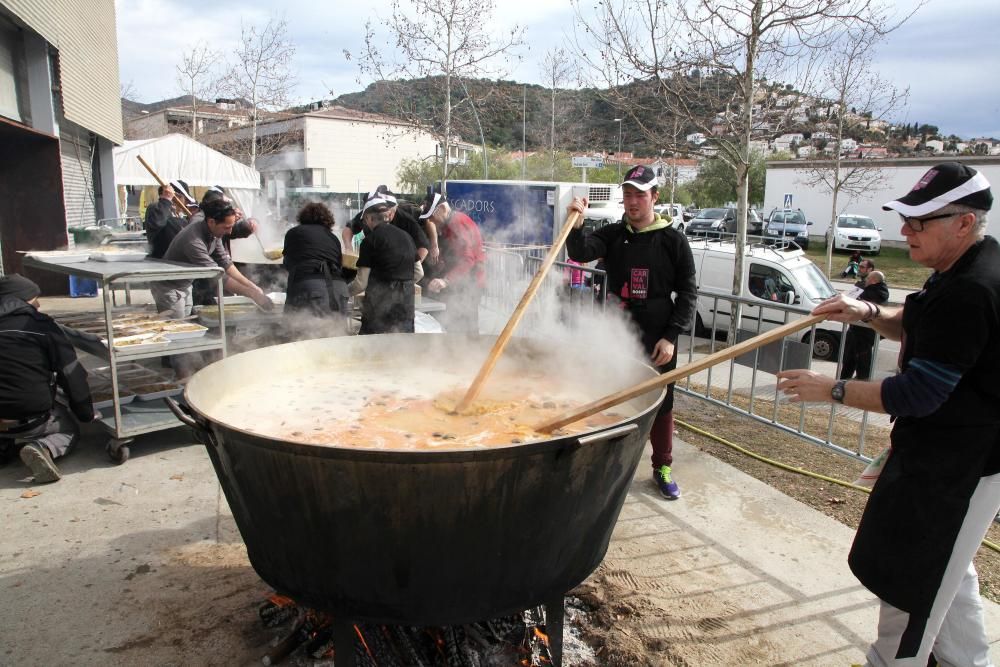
945	54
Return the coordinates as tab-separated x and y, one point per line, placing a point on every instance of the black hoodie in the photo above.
35	355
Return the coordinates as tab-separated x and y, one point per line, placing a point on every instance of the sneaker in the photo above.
39	461
664	480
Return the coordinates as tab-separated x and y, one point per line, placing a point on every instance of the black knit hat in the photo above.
16	285
944	184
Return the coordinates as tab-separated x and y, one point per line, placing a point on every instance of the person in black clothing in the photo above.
312	257
402	214
860	342
36	357
938	491
385	272
651	275
161	224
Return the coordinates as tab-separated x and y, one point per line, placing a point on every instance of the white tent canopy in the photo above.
178	156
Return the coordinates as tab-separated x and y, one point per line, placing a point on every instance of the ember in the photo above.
512	640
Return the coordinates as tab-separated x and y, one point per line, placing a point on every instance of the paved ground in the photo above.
141	564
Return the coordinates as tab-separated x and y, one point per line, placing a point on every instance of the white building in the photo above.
935	145
806	151
785	141
898	177
339	150
696	138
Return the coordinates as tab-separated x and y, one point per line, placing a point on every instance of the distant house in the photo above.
223	115
696	138
935	145
870	152
806	151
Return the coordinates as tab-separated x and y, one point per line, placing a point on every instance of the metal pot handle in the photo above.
613	434
184	414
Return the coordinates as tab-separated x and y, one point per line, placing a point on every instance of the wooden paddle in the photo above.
515	318
679	373
177	197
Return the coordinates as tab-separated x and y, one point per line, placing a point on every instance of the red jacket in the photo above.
462	251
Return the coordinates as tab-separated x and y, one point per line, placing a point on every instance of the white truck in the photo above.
772	276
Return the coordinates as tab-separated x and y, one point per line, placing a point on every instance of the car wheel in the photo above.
825	345
680	228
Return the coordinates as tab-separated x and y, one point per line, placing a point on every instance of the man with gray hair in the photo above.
939	489
860	343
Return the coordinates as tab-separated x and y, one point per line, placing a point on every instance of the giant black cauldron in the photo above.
423	538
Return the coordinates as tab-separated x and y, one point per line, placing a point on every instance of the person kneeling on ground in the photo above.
35	358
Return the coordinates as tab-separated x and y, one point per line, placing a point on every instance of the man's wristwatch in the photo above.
837	392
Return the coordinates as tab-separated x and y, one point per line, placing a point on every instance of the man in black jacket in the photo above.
651	275
860	343
35	358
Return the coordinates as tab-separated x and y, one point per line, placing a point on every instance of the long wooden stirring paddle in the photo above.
177	197
515	318
678	374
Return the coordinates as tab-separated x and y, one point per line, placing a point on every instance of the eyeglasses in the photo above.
917	224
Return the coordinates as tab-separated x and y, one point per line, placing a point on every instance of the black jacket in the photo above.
35	355
672	282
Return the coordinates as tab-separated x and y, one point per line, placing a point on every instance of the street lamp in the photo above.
618	155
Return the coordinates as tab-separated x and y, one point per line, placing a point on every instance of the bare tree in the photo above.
194	77
708	64
261	74
556	69
436	40
851	81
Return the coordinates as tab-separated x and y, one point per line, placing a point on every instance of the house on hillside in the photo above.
60	115
335	150
223	115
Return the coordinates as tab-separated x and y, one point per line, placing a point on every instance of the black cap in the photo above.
16	285
430	205
944	184
641	177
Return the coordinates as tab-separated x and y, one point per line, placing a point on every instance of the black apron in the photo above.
640	282
387	307
312	287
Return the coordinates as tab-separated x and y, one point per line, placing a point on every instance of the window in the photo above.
768	283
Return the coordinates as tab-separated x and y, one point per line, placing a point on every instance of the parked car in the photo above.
716	221
787	225
855	232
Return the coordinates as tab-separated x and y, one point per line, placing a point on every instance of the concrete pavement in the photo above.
103	566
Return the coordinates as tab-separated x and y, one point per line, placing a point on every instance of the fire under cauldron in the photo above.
423	537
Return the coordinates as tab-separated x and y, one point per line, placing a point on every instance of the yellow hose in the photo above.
784	466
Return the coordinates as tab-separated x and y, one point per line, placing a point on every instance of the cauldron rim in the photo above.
443	454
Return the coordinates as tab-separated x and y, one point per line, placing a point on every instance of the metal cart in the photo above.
126	422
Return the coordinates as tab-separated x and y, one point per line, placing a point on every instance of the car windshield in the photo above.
813	282
788	217
712	213
855	222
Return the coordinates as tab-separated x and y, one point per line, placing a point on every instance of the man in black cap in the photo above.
939	489
401	214
36	357
651	275
385	272
159	213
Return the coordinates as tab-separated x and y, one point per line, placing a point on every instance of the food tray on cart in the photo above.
155	390
147	342
102	398
118	255
236	313
64	256
183	330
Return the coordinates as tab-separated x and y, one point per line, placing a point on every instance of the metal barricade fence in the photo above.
746	385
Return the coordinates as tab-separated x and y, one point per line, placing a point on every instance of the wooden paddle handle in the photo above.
159	180
679	373
515	318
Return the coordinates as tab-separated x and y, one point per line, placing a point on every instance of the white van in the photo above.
773	275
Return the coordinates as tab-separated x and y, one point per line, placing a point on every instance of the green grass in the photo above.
895	263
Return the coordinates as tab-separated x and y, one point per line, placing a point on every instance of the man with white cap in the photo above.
939	489
36	357
385	272
651	276
460	273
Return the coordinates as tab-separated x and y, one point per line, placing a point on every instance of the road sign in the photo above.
588	162
788	200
